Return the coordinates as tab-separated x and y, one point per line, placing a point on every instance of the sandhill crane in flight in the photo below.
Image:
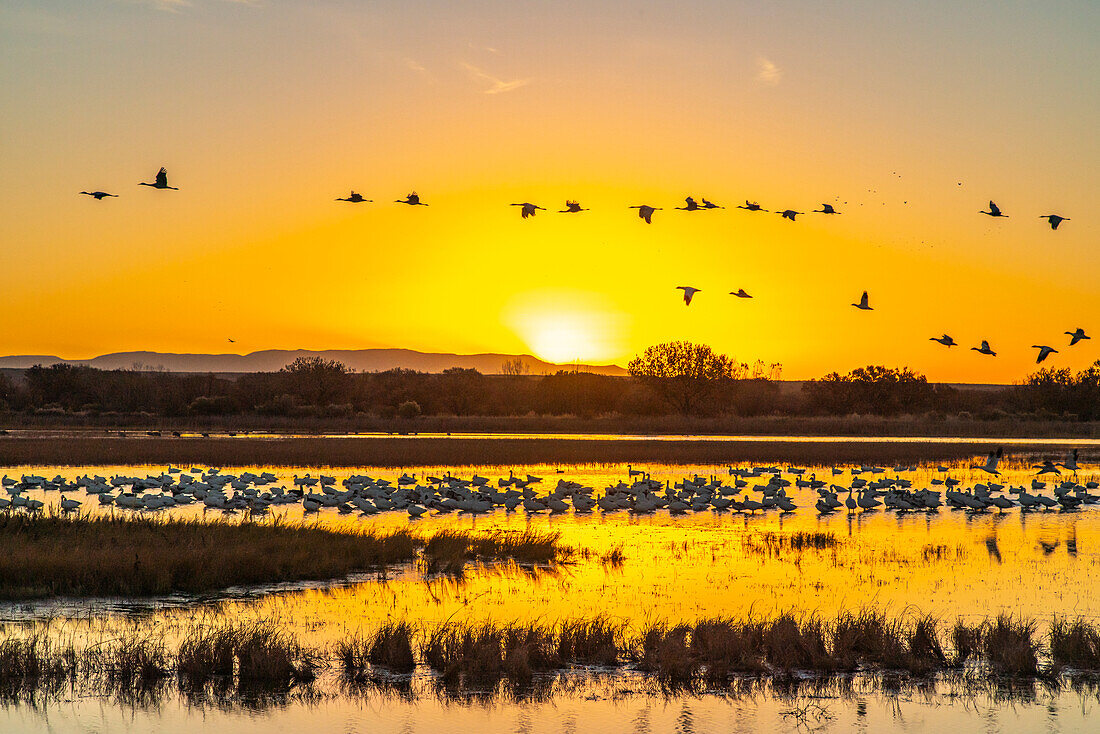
789	214
98	195
711	205
984	349
862	305
645	211
994	211
740	293
690	205
528	209
1044	352
991	461
945	340
571	207
1054	220
354	198
689	293
1071	462
752	206
412	199
826	209
161	181
1076	336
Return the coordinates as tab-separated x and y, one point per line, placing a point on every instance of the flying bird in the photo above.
984	349
354	198
994	211
161	181
991	461
752	206
740	293
1044	352
98	195
571	207
1054	220
645	211
232	341
690	205
412	199
689	293
945	340
528	210
862	305
789	214
826	209
1076	336
711	205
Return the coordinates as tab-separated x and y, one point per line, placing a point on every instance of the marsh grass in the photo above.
773	545
390	646
1075	644
448	551
486	652
34	660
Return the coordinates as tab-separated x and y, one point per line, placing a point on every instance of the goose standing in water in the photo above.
984	349
862	305
571	207
412	199
528	209
161	181
354	198
98	195
645	212
945	340
994	211
1076	336
689	293
1044	352
1054	220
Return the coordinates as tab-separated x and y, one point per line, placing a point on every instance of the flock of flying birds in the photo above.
645	212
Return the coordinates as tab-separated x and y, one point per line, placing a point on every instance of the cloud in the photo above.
767	72
497	86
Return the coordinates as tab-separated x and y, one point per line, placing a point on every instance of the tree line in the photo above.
676	378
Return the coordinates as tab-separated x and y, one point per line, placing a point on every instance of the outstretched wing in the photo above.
162	177
994	209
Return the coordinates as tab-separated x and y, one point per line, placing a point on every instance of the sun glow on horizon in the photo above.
566	326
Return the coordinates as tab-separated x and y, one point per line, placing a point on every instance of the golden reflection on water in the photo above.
945	563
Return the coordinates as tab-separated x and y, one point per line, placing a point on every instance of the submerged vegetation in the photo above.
51	554
709	652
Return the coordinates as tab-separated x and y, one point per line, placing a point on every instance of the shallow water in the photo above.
679	568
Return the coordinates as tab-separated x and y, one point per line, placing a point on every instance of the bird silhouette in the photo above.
98	195
412	199
740	293
752	206
1044	352
571	207
994	211
711	205
690	205
789	214
826	209
984	349
645	211
991	461
689	293
232	341
528	209
354	198
161	181
1054	220
862	305
1076	336
945	340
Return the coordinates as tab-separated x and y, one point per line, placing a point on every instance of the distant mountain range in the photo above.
270	360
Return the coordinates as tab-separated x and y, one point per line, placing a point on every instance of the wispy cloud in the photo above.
419	69
767	72
496	86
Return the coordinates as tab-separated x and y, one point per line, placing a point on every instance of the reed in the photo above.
1075	644
448	551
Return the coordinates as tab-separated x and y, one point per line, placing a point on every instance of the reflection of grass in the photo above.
125	555
773	544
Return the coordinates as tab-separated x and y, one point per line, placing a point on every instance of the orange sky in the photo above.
263	112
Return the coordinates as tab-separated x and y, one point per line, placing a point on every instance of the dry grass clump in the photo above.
590	642
967	641
1010	647
390	646
1076	644
33	660
723	647
207	652
449	551
774	544
269	656
137	662
487	652
49	554
613	558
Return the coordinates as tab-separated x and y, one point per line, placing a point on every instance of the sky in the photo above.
907	117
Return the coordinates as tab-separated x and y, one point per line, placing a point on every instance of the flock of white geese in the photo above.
745	490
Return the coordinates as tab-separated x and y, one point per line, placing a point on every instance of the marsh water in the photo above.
676	567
